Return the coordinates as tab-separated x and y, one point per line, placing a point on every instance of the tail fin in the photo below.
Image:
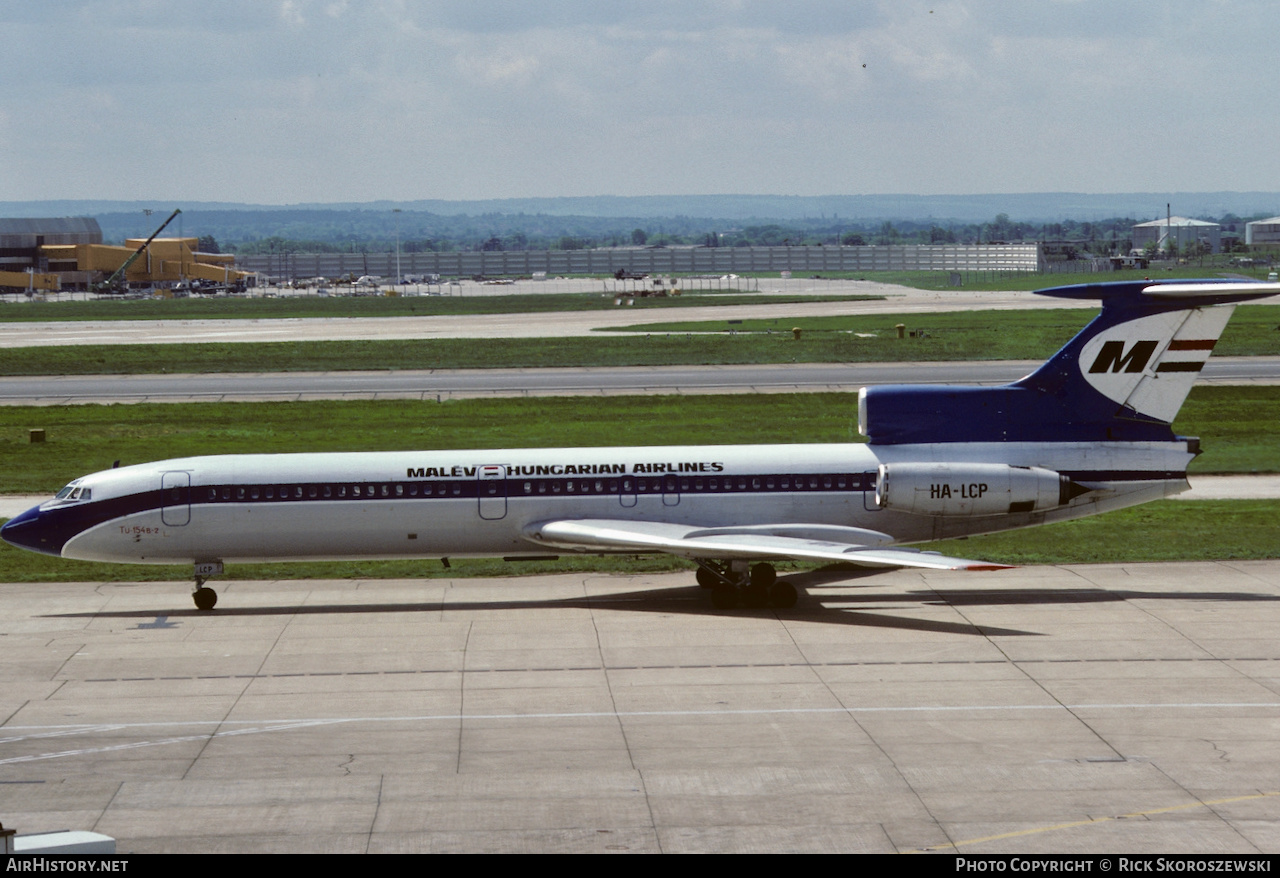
1123	377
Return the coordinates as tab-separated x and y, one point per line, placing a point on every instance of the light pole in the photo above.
399	276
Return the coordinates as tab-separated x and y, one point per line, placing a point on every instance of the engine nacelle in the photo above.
967	489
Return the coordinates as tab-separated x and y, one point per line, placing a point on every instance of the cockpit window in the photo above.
73	492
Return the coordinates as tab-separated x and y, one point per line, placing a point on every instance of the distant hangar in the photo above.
68	253
1263	232
1183	232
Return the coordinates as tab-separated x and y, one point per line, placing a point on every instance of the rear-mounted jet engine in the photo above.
969	489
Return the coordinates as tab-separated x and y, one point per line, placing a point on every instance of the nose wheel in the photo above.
205	597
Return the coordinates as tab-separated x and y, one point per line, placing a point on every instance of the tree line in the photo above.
354	231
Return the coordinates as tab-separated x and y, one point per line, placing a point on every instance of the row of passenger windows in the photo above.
361	491
698	485
668	484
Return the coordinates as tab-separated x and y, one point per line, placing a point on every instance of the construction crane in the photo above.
110	284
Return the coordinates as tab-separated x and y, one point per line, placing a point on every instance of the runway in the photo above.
1094	708
491	383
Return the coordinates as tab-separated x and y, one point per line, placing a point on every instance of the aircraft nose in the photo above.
26	532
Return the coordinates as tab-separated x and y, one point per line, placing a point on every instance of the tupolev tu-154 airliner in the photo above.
1087	432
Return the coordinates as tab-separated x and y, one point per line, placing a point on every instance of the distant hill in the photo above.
1037	207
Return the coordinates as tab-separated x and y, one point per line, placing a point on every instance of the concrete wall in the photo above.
671	260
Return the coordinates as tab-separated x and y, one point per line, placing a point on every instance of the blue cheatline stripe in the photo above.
1131	475
516	486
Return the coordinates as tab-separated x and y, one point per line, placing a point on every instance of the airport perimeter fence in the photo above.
652	261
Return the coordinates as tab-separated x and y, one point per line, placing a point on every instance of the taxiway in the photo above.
486	383
1094	708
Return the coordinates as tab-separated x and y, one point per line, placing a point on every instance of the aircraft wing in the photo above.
799	542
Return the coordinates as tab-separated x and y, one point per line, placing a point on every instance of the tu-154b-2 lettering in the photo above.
1087	432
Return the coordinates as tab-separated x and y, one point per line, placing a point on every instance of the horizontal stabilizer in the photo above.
1205	292
1222	292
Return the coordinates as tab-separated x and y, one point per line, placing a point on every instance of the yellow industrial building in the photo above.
166	260
53	254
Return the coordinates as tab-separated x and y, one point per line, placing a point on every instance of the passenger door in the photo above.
491	489
175	498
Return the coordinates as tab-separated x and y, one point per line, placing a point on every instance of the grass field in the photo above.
1254	330
1236	426
1169	530
984	335
290	307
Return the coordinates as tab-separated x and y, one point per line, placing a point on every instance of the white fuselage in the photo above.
245	508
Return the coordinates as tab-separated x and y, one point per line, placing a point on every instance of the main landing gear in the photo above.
205	597
734	583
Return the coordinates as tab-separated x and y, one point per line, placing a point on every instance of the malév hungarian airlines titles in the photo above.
1089	431
566	469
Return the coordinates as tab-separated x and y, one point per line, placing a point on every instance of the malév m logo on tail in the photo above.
1149	363
1112	357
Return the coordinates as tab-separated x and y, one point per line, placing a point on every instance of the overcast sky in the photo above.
287	101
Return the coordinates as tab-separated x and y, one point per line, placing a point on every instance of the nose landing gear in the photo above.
205	598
